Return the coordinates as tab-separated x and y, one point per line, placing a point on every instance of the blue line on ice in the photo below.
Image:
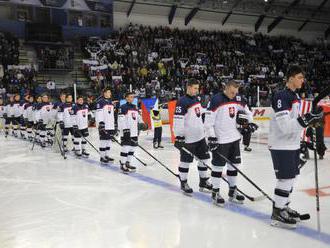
302	230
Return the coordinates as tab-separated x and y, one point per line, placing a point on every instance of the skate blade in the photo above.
205	190
187	194
218	204
280	224
235	201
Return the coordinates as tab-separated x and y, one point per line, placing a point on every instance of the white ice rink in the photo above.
49	202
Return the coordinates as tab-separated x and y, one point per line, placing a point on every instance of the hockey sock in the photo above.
65	141
183	171
83	144
77	142
232	175
103	145
107	148
216	176
282	192
130	153
202	169
124	154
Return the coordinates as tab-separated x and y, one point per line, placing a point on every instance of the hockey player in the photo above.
65	119
284	143
105	120
28	117
189	132
35	122
12	114
80	126
44	116
2	111
22	125
128	120
226	109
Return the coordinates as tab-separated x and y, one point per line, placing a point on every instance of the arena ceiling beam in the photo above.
313	15
230	12
131	8
262	17
172	14
191	15
278	19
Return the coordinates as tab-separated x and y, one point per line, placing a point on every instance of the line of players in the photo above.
72	118
225	117
220	124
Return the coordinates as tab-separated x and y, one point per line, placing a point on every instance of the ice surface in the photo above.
46	201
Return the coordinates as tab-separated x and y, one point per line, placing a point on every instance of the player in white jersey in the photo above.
44	117
128	119
12	115
80	126
2	111
190	134
64	116
105	119
28	116
226	109
284	143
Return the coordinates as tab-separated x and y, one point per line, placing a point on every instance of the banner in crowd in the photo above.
147	104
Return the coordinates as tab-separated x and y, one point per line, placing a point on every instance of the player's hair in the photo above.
293	71
80	96
63	93
129	93
192	81
106	89
232	83
68	94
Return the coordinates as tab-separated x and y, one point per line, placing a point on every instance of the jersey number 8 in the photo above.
279	104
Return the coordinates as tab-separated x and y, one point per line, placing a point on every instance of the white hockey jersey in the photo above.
129	118
65	114
220	118
13	109
105	112
28	112
80	115
2	110
284	129
188	121
44	112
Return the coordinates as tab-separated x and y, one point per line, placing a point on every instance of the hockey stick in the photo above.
168	169
322	94
317	193
251	198
115	140
60	146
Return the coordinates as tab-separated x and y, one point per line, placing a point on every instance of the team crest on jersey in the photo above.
133	116
198	112
232	112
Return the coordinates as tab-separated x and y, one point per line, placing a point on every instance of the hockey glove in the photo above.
179	142
311	118
112	135
101	126
5	116
126	135
62	125
253	127
213	143
75	129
